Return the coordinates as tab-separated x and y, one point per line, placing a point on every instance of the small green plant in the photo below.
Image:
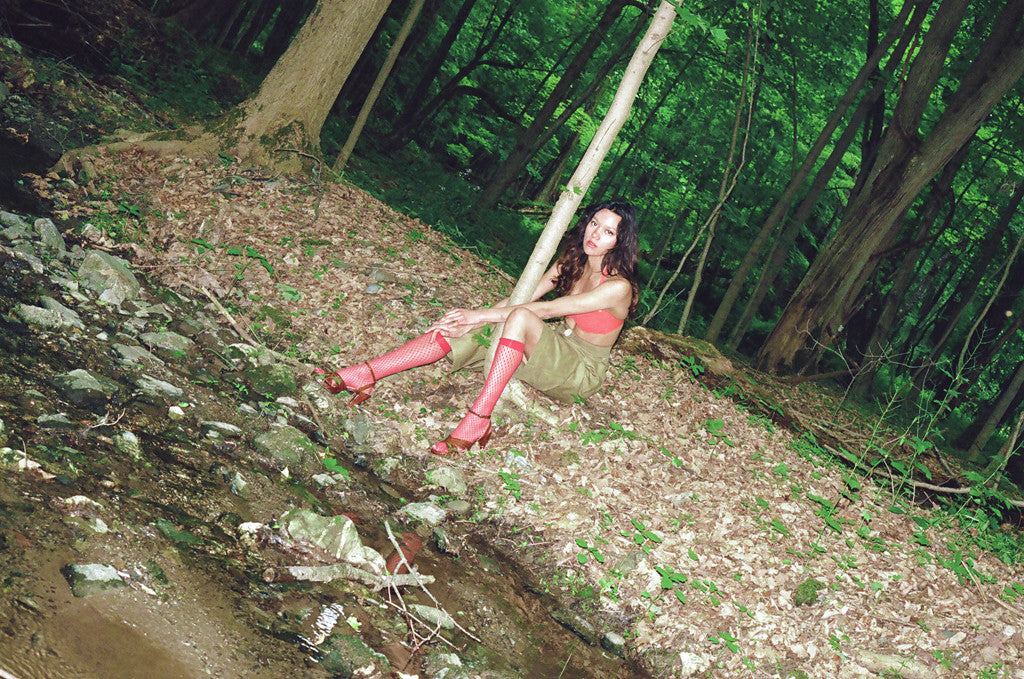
587	549
511	480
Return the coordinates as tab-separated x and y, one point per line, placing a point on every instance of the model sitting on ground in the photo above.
596	276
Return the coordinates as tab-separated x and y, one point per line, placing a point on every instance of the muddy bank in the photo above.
154	465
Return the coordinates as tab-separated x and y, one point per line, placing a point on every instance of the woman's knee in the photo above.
522	318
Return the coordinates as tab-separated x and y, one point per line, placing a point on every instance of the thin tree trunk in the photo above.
729	183
527	143
961	361
1000	461
995	416
378	84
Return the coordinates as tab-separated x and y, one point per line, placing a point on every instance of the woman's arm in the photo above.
613	294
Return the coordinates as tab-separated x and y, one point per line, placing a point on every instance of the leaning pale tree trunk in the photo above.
569	201
378	85
728	182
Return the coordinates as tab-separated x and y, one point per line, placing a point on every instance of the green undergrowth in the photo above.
420	187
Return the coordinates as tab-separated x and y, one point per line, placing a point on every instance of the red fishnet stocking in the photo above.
427	348
476	424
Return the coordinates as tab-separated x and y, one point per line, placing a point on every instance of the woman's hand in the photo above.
458	322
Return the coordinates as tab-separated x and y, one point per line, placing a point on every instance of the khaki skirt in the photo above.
562	366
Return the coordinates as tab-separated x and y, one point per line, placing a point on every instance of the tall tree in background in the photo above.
280	125
540	129
905	163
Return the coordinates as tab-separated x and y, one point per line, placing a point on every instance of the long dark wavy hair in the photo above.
620	260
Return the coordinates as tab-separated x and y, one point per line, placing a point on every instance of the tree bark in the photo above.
820	305
280	125
876	348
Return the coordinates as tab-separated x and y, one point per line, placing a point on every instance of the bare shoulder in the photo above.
618	285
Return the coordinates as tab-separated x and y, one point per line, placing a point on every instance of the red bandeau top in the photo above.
599	322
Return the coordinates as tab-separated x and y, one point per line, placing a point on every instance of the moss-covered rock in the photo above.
271	380
807	592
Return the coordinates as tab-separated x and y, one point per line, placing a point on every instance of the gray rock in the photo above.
15	227
168	345
614	643
450	479
289	446
56	421
576	624
336	535
238	486
433	616
372	289
70	316
46	319
133	355
102	271
91	578
127	443
85	389
460	507
50	237
426	512
158	391
222	428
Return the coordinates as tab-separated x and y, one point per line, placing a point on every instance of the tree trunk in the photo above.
527	143
729	182
876	348
414	102
816	311
378	84
995	416
280	125
782	205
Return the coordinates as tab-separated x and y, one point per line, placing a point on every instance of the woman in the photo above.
596	276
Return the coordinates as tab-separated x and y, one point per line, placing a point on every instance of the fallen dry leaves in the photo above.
655	491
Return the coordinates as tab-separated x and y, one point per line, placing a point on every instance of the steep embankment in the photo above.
675	515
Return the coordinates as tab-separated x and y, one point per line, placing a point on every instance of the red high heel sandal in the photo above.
334	384
463	445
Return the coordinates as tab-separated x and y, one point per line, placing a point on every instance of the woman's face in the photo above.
601	233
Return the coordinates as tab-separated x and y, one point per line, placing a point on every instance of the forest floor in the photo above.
693	505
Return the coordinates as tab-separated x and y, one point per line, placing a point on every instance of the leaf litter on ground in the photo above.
707	517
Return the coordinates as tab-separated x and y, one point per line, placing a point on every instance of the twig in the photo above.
105	421
394	543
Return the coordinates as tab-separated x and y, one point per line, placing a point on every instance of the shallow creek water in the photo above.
195	602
